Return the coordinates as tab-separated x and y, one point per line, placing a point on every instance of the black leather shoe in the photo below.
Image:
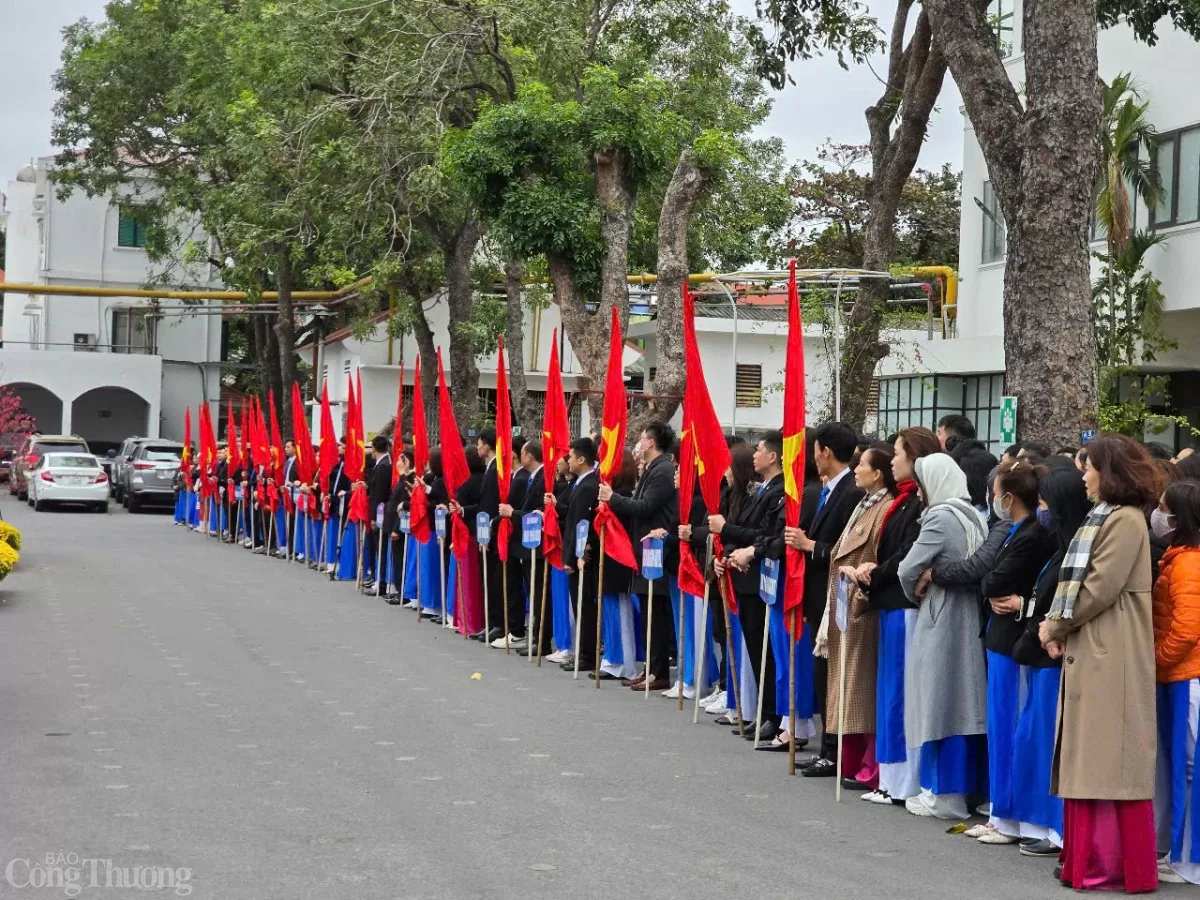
853	784
822	768
768	732
1039	848
495	634
607	676
807	761
478	636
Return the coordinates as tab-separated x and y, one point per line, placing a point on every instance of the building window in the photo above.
1001	18
993	226
346	367
923	400
1176	159
130	232
749	387
132	331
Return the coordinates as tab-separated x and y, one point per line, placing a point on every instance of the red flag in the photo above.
327	454
233	449
306	463
355	461
244	450
556	440
454	460
612	447
278	463
793	450
397	432
418	504
185	458
551	536
503	449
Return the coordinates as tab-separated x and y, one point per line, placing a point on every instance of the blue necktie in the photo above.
824	497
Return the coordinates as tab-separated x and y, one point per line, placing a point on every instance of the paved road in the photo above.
168	701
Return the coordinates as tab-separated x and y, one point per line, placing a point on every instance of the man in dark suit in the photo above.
654	505
747	542
526	495
489	502
379	487
833	448
579	504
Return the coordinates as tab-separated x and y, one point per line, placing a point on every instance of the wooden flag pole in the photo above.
649	631
529	635
762	674
337	551
682	643
841	710
599	607
358	551
404	576
701	651
458	587
323	543
732	655
541	635
792	697
578	615
442	565
487	612
504	596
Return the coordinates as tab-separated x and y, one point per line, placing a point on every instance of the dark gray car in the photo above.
122	466
151	473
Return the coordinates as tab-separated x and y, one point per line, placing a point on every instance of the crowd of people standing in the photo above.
1019	637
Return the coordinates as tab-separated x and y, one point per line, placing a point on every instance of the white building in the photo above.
966	374
101	367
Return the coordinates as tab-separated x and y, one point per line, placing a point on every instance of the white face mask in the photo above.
1161	523
1004	515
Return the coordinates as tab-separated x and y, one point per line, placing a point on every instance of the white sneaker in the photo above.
994	836
299	557
558	656
716	710
984	809
881	797
410	604
917	808
672	693
870	796
1168	875
514	643
716	698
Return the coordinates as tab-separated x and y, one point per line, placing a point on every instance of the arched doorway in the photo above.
105	416
42	404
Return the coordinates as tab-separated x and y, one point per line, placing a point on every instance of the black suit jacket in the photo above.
896	539
1015	572
379	485
531	500
488	500
827	527
756	526
654	504
581	500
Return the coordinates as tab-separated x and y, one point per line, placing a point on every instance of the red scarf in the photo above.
904	490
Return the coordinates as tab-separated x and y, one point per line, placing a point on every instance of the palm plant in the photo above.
1125	132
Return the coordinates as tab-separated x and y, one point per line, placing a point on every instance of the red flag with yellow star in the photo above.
418	503
556	441
454	462
793	449
503	449
612	446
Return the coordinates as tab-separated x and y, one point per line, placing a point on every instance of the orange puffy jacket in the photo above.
1177	615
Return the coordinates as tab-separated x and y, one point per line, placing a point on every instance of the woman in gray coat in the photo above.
945	677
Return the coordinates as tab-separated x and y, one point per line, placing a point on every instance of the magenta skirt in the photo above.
1109	845
468	597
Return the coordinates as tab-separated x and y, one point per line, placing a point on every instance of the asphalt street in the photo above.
168	701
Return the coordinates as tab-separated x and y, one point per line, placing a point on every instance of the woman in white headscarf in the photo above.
945	675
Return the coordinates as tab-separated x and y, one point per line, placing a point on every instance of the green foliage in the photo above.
1145	16
1127	141
806	28
487	323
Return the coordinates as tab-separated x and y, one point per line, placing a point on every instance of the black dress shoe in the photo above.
495	634
583	667
1039	848
478	636
807	761
767	732
606	676
853	784
822	768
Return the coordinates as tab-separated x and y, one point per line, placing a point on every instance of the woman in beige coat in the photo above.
1100	624
860	642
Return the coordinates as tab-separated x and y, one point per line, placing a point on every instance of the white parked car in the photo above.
68	478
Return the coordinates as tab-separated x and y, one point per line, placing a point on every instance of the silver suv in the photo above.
151	473
121	466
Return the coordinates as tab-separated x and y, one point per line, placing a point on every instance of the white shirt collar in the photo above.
833	482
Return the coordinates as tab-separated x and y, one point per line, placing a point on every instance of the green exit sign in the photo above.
1008	420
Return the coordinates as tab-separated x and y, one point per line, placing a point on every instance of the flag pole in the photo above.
701	640
649	632
504	594
358	551
533	567
380	568
841	710
541	635
682	642
792	701
487	612
337	551
578	614
762	674
442	564
324	542
733	673
404	575
599	606
458	587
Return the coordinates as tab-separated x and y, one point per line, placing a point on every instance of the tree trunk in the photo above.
1042	160
285	334
915	76
457	251
268	359
429	385
687	184
524	413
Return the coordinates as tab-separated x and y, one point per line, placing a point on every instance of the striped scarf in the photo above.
863	505
1076	561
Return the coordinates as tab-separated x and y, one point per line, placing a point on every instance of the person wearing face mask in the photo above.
1170	474
1006	588
1177	661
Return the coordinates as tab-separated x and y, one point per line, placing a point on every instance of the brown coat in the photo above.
1106	740
857	545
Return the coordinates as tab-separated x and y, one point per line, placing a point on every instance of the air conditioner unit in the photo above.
39	205
85	342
